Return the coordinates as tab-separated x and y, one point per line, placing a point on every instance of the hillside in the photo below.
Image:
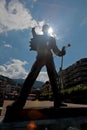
4	79
36	84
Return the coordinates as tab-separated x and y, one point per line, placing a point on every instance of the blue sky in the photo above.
68	18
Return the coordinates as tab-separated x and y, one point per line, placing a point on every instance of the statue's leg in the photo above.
28	83
53	76
17	106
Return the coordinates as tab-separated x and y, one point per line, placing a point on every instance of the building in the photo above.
75	74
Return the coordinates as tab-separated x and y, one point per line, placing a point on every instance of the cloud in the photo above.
14	69
7	46
43	77
14	16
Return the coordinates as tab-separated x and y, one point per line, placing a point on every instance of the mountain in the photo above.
36	84
18	81
6	80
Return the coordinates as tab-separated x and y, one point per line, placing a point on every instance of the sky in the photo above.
68	18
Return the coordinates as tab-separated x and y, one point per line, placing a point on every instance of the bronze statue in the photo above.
44	45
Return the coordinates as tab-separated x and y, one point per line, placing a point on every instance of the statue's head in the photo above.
45	28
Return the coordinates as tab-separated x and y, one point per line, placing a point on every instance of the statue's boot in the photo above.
58	104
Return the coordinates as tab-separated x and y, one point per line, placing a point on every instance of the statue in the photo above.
44	45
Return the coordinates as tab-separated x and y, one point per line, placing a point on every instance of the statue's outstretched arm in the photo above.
56	50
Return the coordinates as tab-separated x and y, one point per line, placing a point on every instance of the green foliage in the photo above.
46	94
73	89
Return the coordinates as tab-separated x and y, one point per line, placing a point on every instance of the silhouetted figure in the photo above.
44	45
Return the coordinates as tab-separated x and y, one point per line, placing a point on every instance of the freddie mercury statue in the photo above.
45	45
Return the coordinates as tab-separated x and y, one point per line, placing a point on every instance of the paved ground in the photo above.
39	104
29	104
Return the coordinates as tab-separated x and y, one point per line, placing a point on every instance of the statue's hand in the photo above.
33	29
33	32
63	51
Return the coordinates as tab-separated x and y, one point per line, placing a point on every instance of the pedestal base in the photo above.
43	114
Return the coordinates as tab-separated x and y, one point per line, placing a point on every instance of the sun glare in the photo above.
50	31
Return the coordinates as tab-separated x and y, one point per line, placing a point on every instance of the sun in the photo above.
50	31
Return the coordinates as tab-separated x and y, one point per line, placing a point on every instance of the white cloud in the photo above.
43	77
7	46
14	69
15	16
